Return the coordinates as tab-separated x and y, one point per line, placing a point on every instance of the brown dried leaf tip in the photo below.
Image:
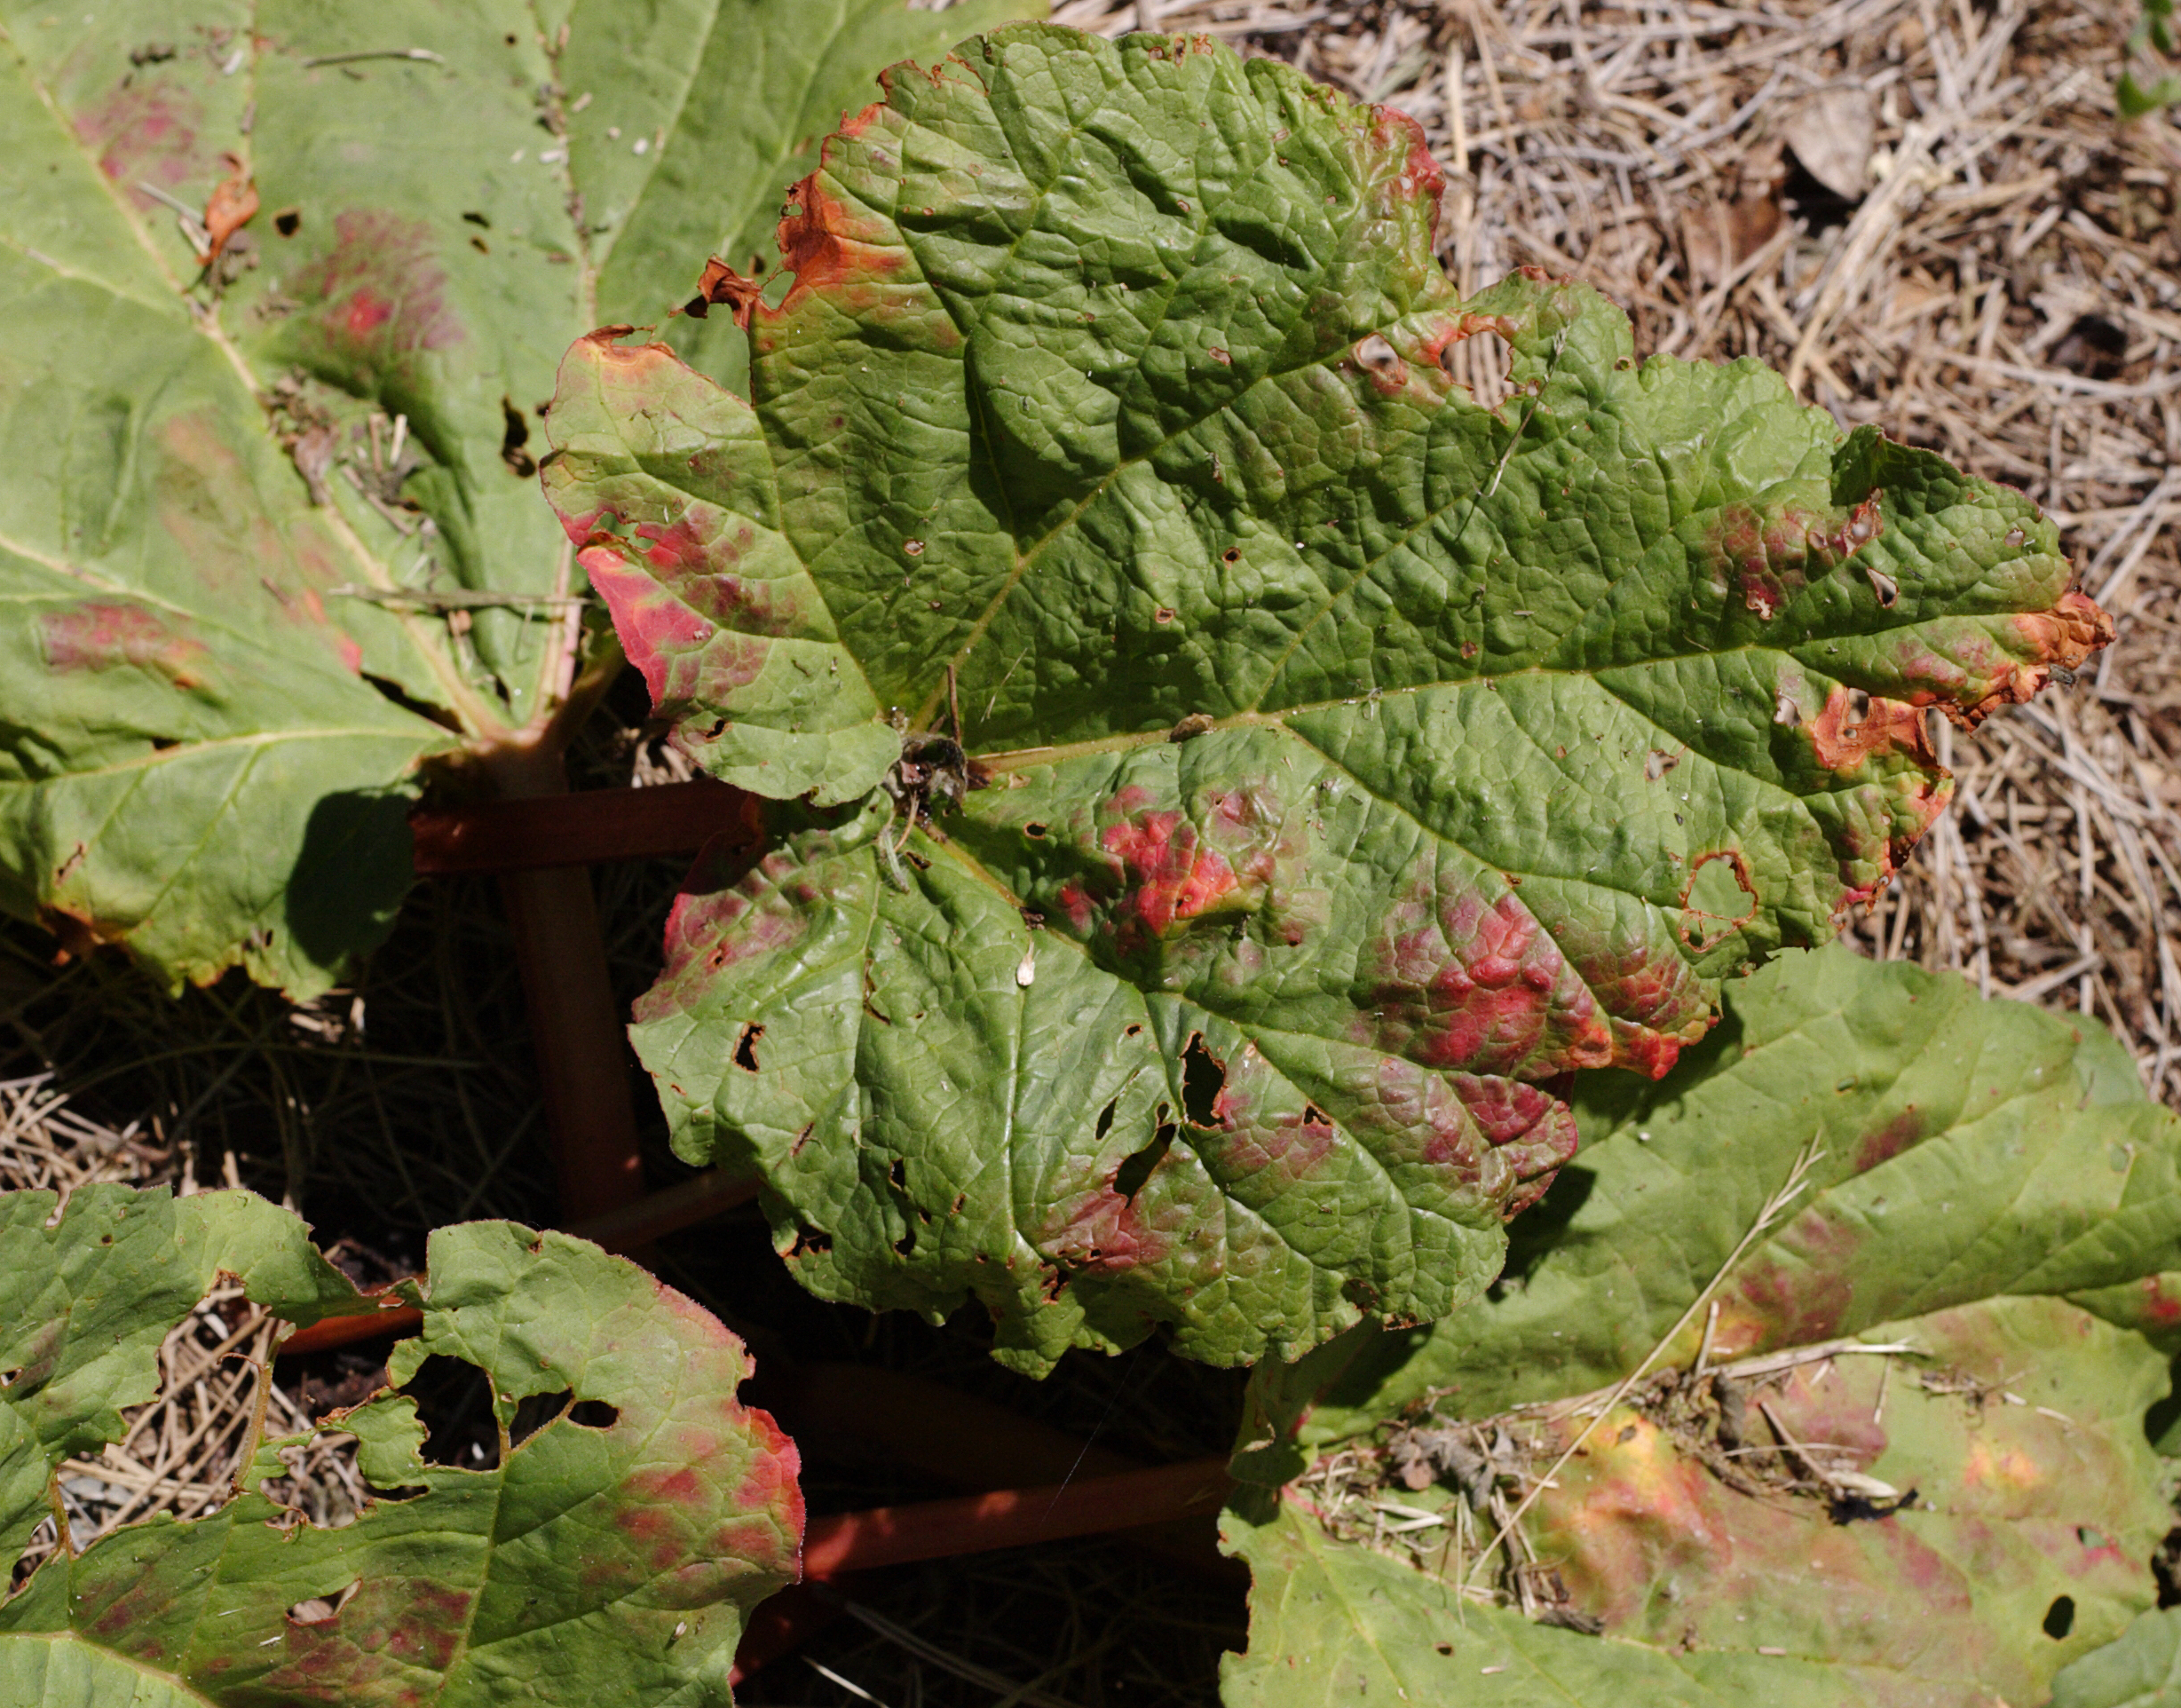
722	283
232	205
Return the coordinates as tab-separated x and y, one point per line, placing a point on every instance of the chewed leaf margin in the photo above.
1949	1345
1103	519
611	1553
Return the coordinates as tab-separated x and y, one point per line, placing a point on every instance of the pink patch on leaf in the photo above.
1170	876
147	132
1888	1140
382	291
100	635
1465	979
686	657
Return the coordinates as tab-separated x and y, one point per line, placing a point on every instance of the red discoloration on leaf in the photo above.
381	292
99	635
208	505
1641	1513
1261	1123
584	528
1382	366
1800	1290
146	132
1102	1232
1929	678
1770	557
1895	814
1655	1003
1532	1134
2160	1307
1508	1112
853	126
1888	1142
1077	908
695	551
1863	525
1168	874
643	1523
677	1485
1975	675
1537	1165
393	1631
1490	1141
1157	869
725	912
682	653
758	1548
1463	978
1649	1053
674	545
1435	348
1420	176
2001	1530
114	1626
772	1481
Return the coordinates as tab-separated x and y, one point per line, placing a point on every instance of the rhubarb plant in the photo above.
1228	772
610	1556
281	290
1910	1456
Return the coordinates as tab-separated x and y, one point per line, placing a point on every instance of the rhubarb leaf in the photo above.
1992	1189
2140	1669
267	520
610	1555
61	1672
1350	757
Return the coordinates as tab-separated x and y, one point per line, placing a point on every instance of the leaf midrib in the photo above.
481	722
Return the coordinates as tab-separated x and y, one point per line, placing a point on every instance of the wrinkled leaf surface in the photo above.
1352	756
235	499
610	1556
1994	1190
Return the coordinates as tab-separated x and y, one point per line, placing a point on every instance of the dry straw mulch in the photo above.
1922	210
1925	213
181	1453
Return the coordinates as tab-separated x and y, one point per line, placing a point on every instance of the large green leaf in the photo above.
610	1556
2140	1669
214	735
1351	757
60	1671
1993	1191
